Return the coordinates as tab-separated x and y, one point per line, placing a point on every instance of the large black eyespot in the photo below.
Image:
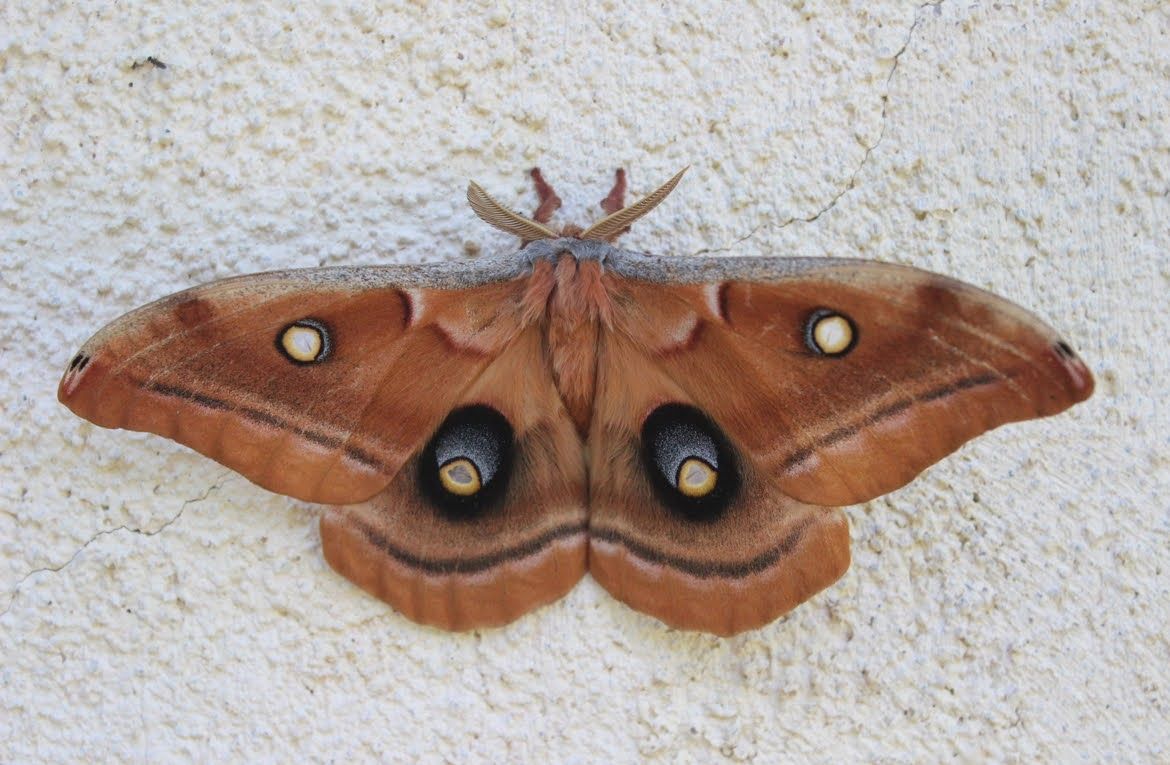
465	467
691	465
829	333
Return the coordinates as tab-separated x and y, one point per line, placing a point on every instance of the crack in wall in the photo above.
852	182
106	532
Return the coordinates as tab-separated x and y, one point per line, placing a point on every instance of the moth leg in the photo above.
616	199
549	201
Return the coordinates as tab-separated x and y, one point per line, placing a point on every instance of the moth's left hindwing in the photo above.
488	520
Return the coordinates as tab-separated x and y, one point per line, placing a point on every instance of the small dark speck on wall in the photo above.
151	60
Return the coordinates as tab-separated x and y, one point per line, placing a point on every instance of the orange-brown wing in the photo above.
732	407
488	520
318	383
727	553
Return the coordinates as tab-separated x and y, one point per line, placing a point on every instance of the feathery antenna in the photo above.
495	214
611	225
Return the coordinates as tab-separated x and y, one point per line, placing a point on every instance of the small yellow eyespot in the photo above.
460	477
302	343
696	478
832	334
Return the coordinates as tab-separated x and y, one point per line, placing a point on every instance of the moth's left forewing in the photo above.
316	383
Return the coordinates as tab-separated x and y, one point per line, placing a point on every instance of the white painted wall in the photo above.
1009	605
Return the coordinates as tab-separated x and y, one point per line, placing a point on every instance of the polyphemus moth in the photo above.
684	429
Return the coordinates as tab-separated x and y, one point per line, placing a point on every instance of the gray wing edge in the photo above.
441	275
452	275
700	270
866	274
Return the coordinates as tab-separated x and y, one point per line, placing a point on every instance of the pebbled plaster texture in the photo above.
1010	605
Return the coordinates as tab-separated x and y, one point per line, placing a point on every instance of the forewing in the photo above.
317	384
933	363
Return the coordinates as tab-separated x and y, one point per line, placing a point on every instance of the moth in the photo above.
684	429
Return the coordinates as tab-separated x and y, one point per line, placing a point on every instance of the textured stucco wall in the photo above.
1009	604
